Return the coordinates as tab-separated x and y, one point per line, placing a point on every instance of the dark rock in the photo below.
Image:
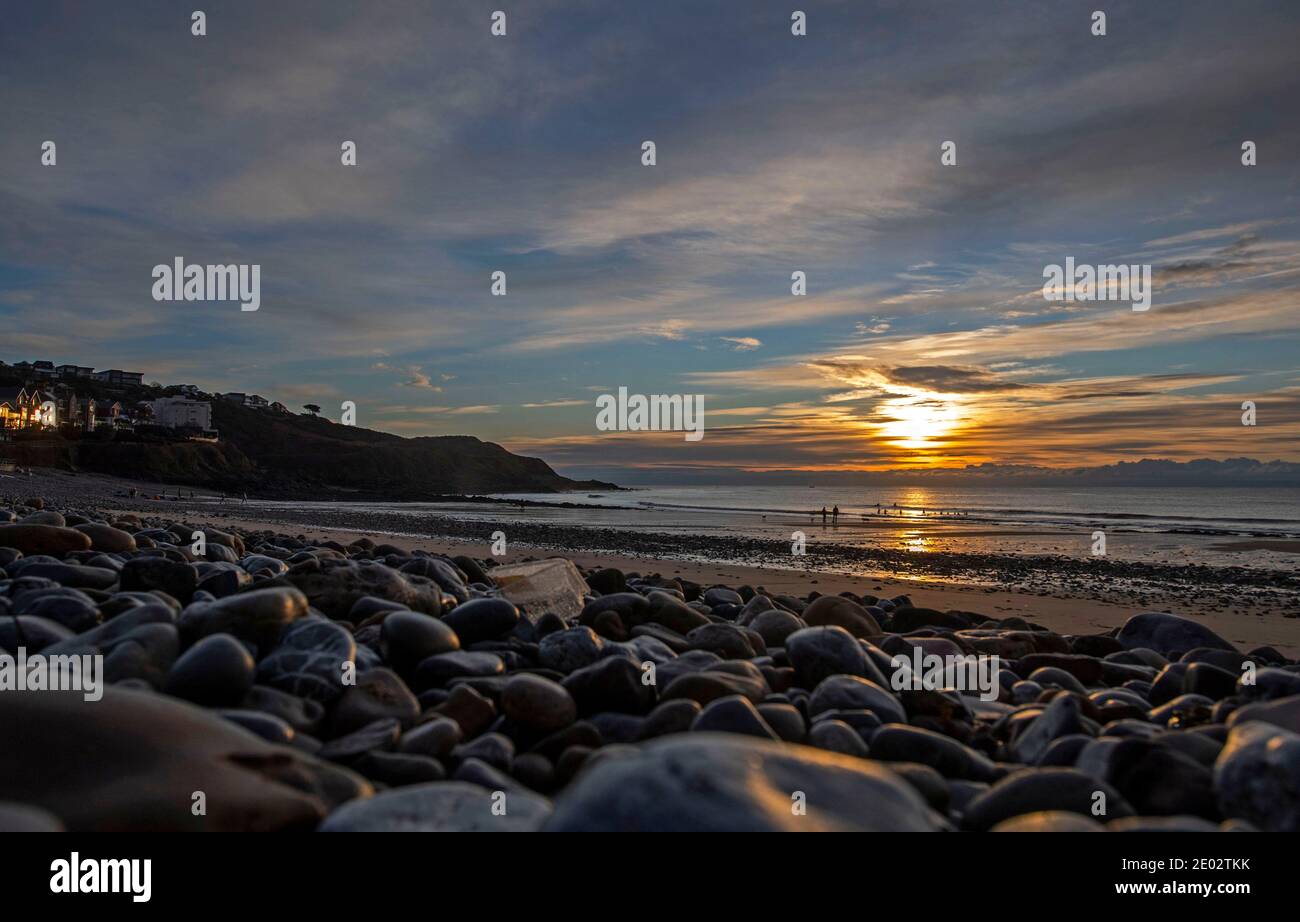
1159	781
257	616
1269	683
493	748
928	783
952	759
1051	821
304	715
776	625
1280	712
440	669
339	584
107	538
570	650
267	726
36	634
69	607
25	818
1168	634
538	703
844	692
159	751
704	687
1086	669
310	660
607	581
726	640
482	619
443	806
43	539
817	653
727	782
1211	681
786	720
675	716
382	735
407	638
146	652
216	672
399	769
837	736
147	574
673	613
612	684
833	610
1050	676
909	618
1060	718
734	714
434	738
469	709
378	694
1033	789
1257	776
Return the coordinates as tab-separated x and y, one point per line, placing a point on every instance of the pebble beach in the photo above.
291	682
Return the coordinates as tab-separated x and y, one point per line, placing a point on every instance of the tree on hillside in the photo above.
311	408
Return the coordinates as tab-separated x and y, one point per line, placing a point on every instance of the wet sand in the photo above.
1065	615
1061	601
1255	544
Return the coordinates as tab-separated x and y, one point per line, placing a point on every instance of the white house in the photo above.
182	413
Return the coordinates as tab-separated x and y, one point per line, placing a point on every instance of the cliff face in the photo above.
300	452
290	456
220	466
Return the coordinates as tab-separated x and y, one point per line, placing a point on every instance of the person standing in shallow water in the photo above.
823	515
835	515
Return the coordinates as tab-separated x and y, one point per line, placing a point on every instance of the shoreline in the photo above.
1071	595
1061	613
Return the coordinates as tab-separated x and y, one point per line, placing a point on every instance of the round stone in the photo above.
217	671
538	703
698	782
311	660
441	806
407	637
482	619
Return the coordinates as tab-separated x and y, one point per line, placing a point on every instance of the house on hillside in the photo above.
118	378
108	414
40	369
253	401
182	413
67	372
81	412
27	408
19	408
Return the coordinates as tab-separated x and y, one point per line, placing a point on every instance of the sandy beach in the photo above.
1062	602
1062	614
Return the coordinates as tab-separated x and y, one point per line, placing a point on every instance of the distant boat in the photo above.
594	495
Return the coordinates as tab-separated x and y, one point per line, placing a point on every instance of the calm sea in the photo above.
1217	526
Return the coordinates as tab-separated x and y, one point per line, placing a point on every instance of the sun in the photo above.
919	421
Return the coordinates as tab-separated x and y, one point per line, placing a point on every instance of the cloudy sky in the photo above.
924	339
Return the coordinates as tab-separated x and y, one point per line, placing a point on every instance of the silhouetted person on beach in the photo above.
835	515
823	515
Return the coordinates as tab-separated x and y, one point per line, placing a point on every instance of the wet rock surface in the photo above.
303	684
